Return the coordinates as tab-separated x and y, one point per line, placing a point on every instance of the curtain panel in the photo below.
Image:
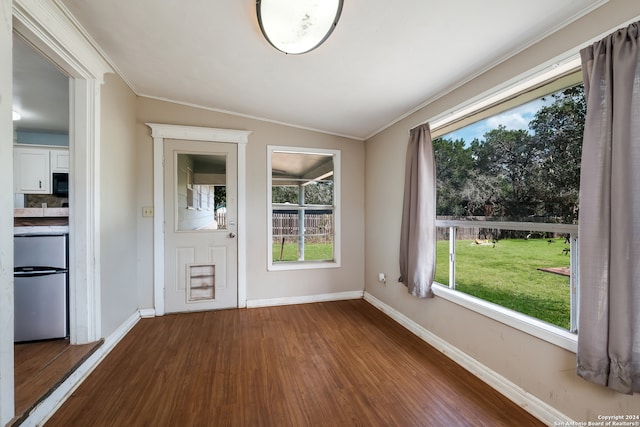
609	221
418	228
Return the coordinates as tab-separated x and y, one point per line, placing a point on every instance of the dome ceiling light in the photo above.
297	26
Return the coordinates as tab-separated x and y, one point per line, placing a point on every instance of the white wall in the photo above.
542	369
118	204
261	284
42	138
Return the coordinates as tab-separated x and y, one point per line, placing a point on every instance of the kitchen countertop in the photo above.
40	212
41	230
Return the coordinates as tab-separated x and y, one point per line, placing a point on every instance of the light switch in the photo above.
147	211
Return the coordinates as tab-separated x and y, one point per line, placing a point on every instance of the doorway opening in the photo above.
41	215
46	30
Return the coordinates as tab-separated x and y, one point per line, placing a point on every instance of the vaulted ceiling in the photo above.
384	59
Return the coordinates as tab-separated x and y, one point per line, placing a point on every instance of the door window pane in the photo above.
201	198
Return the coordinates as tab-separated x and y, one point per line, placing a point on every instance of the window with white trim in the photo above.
508	179
303	188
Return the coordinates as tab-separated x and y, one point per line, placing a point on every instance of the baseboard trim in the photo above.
45	409
306	299
536	407
147	312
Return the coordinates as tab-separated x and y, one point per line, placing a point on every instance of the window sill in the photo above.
537	328
302	265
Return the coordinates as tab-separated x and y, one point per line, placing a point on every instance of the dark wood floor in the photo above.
327	364
41	366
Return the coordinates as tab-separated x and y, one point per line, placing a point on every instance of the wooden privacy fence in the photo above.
481	229
469	233
316	225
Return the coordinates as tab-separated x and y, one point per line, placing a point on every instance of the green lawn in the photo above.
312	252
507	275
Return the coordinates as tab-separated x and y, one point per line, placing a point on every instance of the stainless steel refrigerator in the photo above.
40	287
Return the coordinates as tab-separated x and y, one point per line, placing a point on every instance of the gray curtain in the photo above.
418	229
609	226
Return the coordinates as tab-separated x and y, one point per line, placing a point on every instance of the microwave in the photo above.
60	184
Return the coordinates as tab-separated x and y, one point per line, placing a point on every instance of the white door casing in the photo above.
162	132
46	27
49	28
200	231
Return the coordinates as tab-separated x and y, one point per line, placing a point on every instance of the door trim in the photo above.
160	132
49	28
45	27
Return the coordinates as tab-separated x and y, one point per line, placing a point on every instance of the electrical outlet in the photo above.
147	211
382	278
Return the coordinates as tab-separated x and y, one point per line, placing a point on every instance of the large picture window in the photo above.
303	209
507	202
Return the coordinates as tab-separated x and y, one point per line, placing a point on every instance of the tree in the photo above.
513	157
284	194
482	195
220	196
559	127
319	193
517	174
454	165
315	193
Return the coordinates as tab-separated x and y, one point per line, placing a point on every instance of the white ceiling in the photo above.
40	91
384	59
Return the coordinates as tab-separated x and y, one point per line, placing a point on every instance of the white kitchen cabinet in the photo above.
33	167
32	170
59	161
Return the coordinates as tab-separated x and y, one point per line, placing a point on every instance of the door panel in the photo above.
200	225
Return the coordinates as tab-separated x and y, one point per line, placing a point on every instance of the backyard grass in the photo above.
508	275
312	252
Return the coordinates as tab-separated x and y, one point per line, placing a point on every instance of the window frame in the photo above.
546	331
303	265
516	92
524	89
530	325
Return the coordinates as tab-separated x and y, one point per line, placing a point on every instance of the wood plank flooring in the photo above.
327	364
40	366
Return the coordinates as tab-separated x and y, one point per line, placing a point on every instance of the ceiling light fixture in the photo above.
16	115
297	26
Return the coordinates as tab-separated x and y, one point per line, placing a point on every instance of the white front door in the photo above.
201	251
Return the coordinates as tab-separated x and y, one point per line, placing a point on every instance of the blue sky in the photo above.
514	119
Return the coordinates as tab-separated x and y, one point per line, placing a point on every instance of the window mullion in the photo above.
574	280
301	223
452	257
